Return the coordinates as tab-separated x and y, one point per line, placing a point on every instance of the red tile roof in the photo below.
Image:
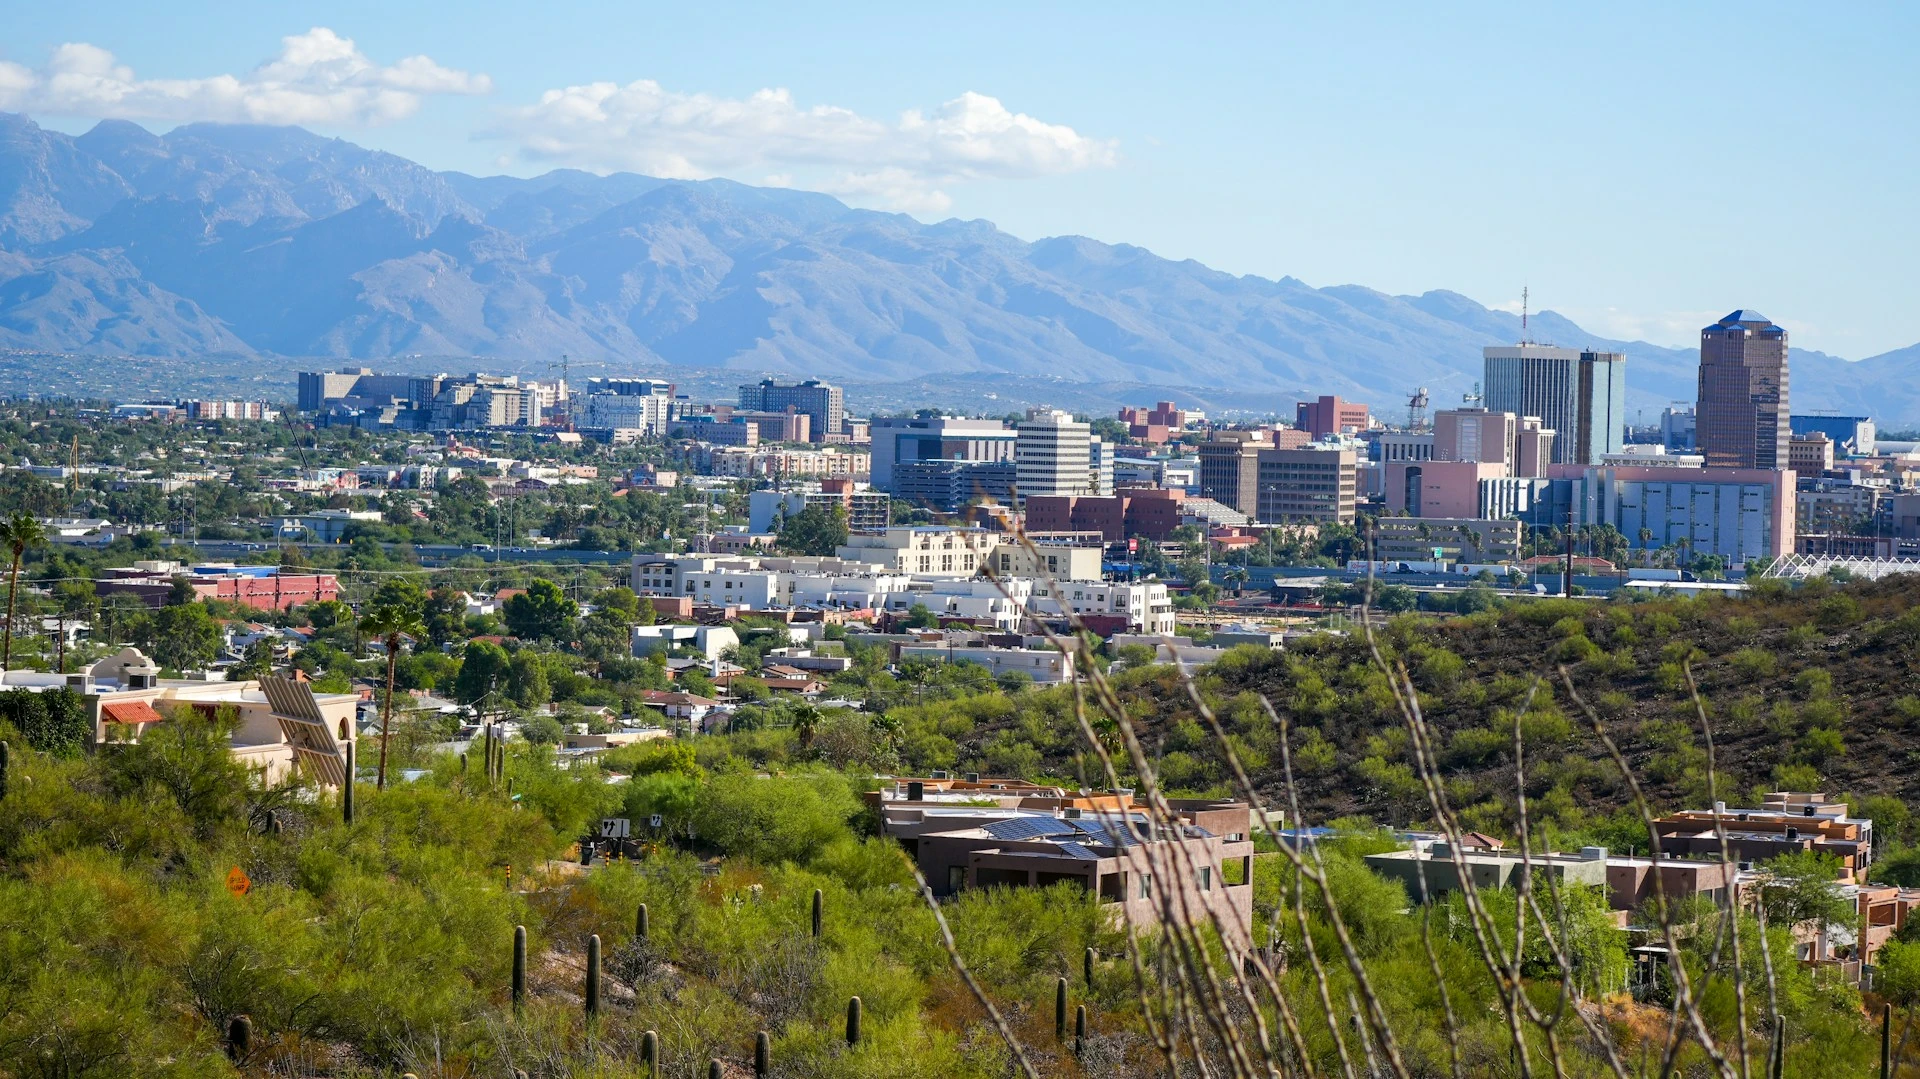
129	712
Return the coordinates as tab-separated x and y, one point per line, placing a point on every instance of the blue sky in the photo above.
1643	168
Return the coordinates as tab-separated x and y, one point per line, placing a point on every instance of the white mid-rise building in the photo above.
1144	604
917	549
1005	605
627	404
761	583
1053	455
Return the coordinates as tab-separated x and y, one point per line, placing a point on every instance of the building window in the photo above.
956	877
1206	878
1146	885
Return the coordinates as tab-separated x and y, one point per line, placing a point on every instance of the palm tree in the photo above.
20	533
390	622
806	722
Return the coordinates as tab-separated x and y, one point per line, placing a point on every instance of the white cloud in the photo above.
318	78
647	128
1673	329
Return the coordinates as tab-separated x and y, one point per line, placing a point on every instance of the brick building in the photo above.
1330	416
1147	513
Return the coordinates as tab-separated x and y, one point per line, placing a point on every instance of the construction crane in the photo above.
1417	409
565	397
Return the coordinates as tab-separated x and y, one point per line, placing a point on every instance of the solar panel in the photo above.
1075	850
1027	828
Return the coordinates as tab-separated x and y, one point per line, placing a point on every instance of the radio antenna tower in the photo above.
1524	338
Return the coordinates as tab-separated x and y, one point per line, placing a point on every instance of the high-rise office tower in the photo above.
1230	469
1741	418
1578	394
1053	454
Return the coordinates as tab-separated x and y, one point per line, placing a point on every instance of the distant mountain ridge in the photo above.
275	241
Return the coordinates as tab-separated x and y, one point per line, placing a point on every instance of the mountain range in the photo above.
250	242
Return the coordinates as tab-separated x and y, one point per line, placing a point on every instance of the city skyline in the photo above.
1596	195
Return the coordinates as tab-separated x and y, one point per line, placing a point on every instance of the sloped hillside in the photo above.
1814	688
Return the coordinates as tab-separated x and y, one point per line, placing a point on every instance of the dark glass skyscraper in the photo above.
1741	419
1579	394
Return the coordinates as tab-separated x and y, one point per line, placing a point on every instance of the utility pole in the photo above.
1567	588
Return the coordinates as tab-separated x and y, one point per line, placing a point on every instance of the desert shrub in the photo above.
1753	663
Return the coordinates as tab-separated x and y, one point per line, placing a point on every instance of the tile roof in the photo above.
130	712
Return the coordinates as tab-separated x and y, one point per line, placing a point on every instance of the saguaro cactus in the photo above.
818	902
1060	1009
1087	967
1080	1030
239	1038
1886	1041
650	1051
640	922
346	791
519	966
593	975
715	1071
853	1019
762	1055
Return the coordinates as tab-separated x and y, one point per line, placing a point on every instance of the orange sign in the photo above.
237	881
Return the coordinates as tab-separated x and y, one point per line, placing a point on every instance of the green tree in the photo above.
1898	978
541	613
816	530
527	682
190	760
779	819
399	592
1396	598
181	592
1799	889
53	722
392	623
445	613
805	720
20	533
483	666
621	599
329	613
184	636
605	633
256	662
541	729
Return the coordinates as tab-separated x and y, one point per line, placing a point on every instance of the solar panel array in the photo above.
1028	828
